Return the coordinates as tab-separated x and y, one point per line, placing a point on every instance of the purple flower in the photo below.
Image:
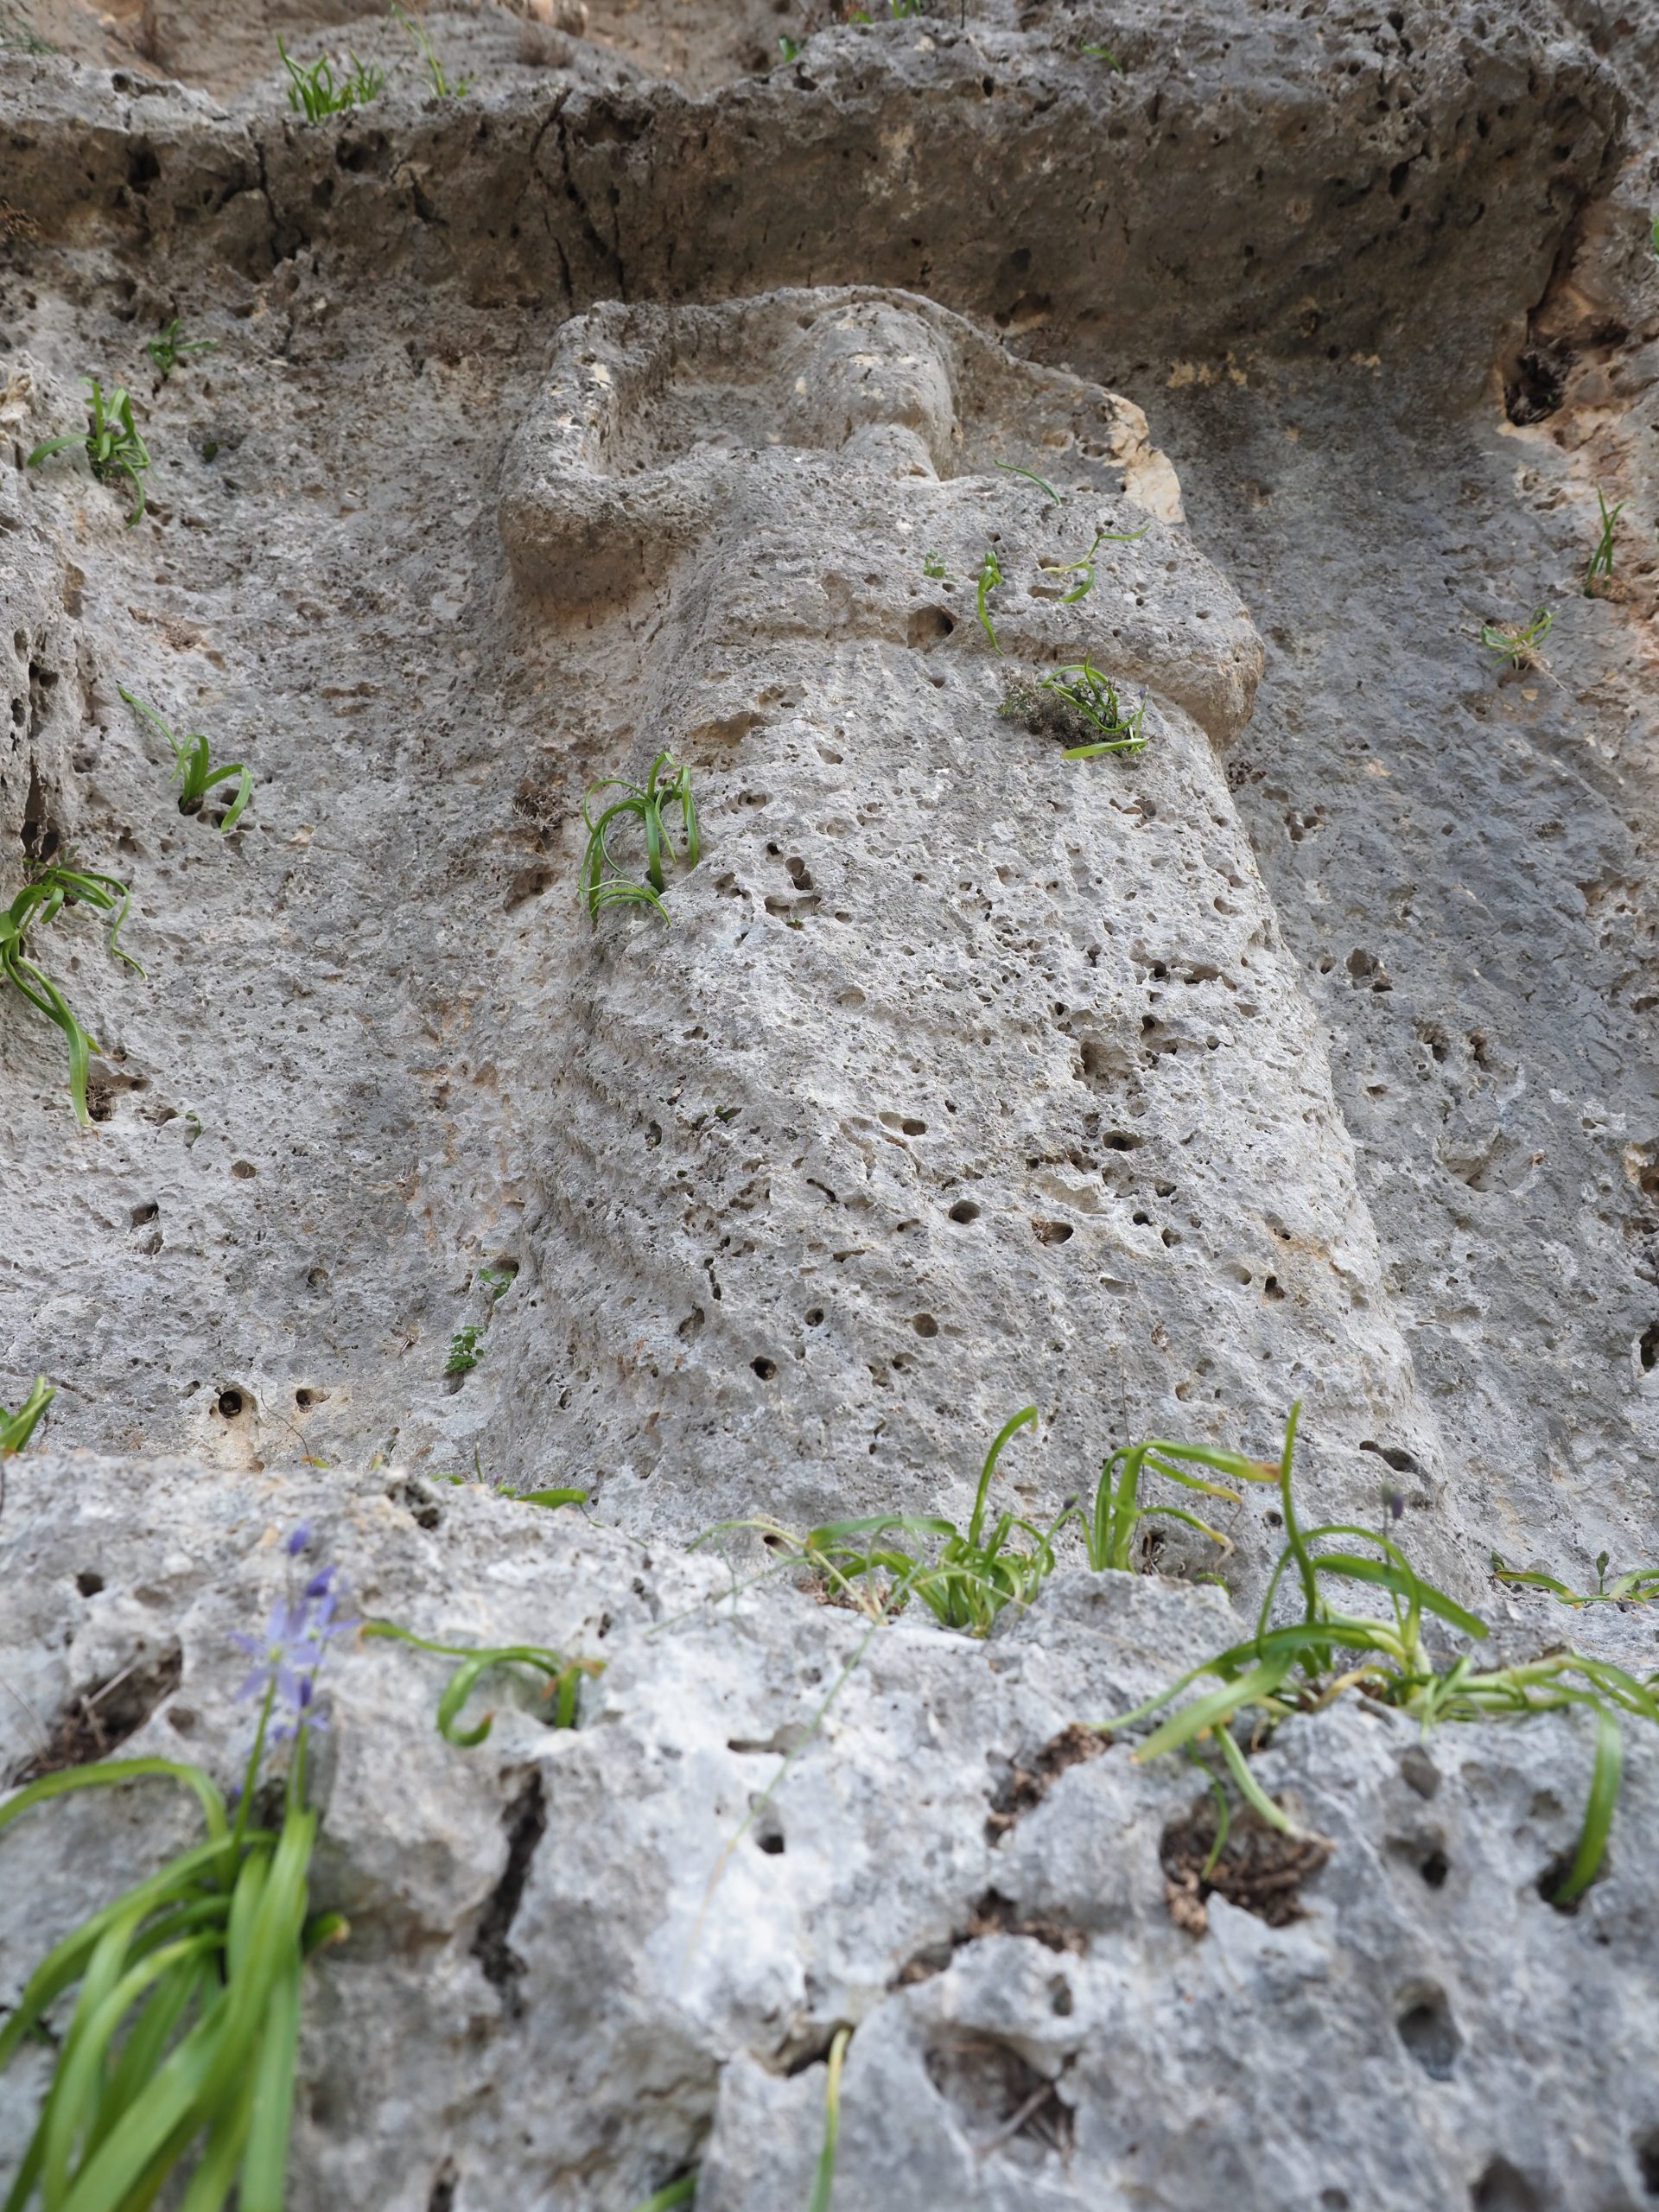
297	1543
287	1658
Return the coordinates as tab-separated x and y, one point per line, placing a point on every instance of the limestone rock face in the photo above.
795	396
570	1976
965	1075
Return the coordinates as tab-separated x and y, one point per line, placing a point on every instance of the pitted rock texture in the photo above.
661	1991
626	404
964	1075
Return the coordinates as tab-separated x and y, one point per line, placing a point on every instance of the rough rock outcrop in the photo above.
652	395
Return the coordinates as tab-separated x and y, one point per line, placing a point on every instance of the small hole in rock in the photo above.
230	1403
964	1209
89	1584
925	1326
242	1169
1427	2029
765	1368
1503	2188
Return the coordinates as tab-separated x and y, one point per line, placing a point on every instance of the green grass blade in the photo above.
824	2182
239	804
1249	1788
1010	1427
676	2192
106	1773
1599	1810
15	1429
1219	1706
1012	468
1404	1583
265	2167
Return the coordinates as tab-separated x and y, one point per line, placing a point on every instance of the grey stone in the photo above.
614	408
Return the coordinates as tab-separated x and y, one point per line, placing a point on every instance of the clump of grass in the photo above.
563	1678
1103	53
183	2035
428	52
604	883
1079	704
990	579
791	49
167	349
965	1582
1108	1531
1638	1587
52	887
1600	568
1519	644
114	448
1300	1665
15	1429
464	1354
192	765
933	565
318	91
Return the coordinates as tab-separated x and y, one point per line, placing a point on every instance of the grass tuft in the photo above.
1518	643
603	881
167	349
1638	1587
51	887
182	2037
990	579
113	446
1110	1530
1600	568
192	765
316	92
1300	1665
423	46
563	1678
1078	703
15	1429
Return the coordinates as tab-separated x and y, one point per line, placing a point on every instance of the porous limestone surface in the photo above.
965	1076
652	395
570	1977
